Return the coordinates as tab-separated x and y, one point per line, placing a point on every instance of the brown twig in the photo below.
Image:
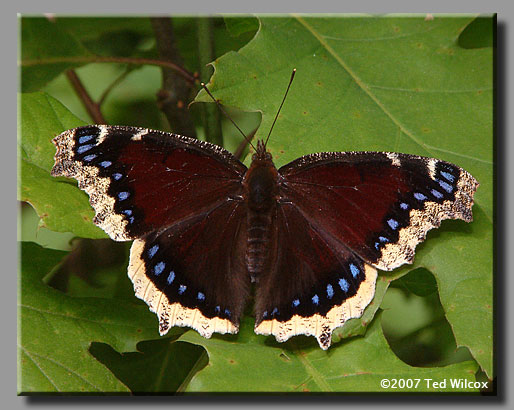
189	77
111	86
92	108
173	97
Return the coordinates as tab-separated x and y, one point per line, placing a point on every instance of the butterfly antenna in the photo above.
279	108
226	115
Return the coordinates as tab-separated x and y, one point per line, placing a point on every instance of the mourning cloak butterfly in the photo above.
310	235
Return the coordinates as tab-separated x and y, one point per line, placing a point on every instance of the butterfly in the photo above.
308	236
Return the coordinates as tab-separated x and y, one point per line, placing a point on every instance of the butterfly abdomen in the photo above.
260	185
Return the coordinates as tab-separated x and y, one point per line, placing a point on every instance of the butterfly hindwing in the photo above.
192	273
380	205
313	284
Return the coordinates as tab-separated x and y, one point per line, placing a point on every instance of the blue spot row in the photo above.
117	176
84	148
90	157
105	164
446	186
419	196
354	269
182	289
330	291
448	176
200	296
158	268
296	302
315	299
152	251
127	212
436	193
123	195
343	284
85	138
404	206
393	224
171	277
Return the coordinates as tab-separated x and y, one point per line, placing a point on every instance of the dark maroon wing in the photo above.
173	194
341	215
379	205
140	180
314	283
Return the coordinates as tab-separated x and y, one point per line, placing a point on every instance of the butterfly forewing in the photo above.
379	205
140	180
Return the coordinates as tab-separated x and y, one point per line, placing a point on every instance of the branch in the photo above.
188	76
211	114
92	108
173	97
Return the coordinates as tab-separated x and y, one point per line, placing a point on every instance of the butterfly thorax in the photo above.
260	185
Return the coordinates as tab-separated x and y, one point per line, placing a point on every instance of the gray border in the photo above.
505	150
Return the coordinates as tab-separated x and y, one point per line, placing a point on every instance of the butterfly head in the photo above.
261	155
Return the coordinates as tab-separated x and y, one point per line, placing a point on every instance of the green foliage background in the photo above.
397	83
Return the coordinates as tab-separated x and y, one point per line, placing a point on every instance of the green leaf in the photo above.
56	331
46	51
356	365
60	205
385	84
239	25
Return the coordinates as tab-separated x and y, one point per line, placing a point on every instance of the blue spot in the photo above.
182	289
127	212
447	187
274	312
330	291
131	220
265	314
448	176
217	309
117	176
228	313
89	157
436	193
377	245
171	277
419	196
123	195
393	223
403	205
158	268
354	269
344	285
315	299
200	296
383	239
86	138
296	302
84	148
105	164
152	251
